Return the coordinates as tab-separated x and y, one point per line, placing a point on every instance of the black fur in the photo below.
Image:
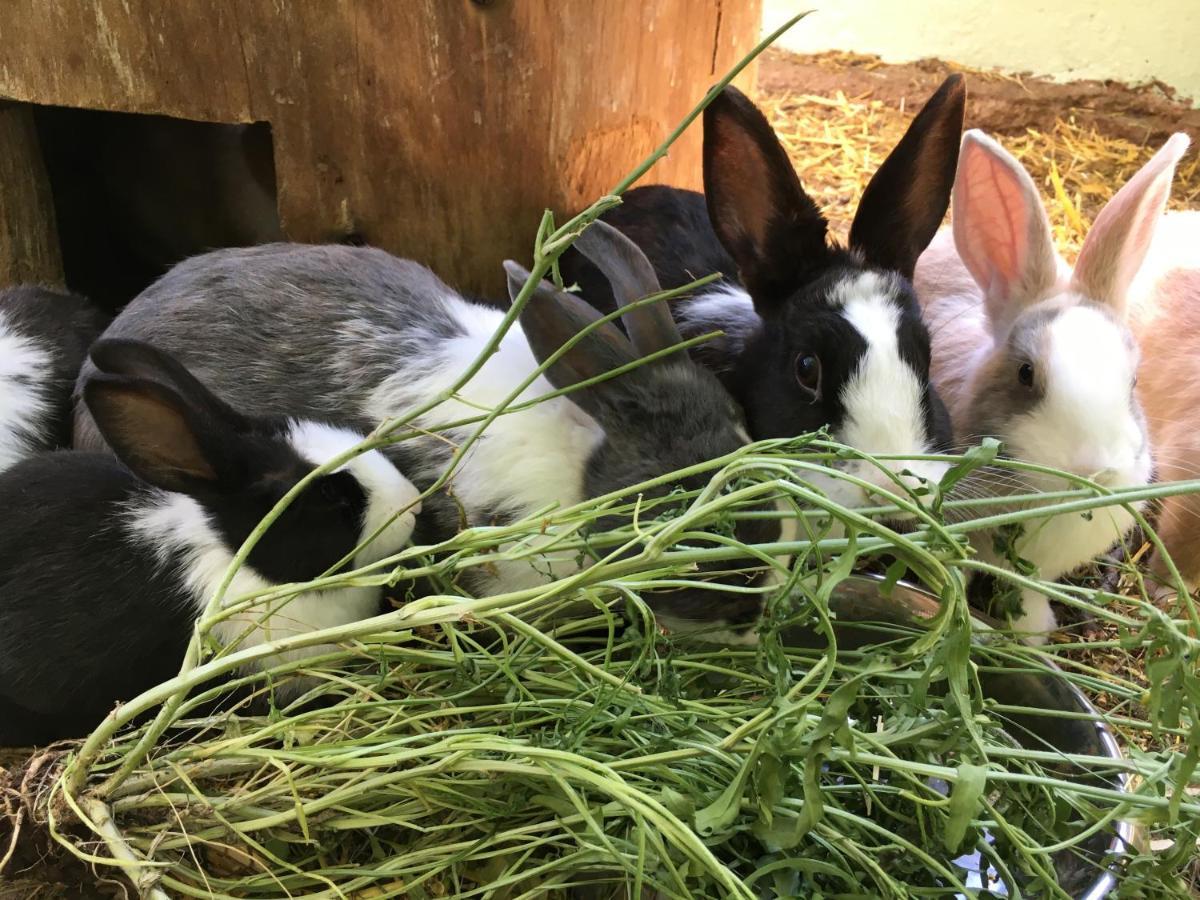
88	618
88	615
64	324
758	228
671	227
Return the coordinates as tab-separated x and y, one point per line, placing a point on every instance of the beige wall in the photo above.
1126	40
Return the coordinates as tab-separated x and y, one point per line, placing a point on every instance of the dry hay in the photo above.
836	143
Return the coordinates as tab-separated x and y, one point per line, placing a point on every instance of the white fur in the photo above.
720	304
178	531
1085	423
25	366
726	308
391	498
882	399
524	460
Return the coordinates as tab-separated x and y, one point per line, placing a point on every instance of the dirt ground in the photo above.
838	115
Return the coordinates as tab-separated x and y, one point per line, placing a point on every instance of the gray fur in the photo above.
296	330
313	331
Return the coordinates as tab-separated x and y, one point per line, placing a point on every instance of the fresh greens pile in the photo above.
554	742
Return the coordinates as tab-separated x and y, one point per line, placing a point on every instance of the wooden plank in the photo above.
182	58
437	129
29	252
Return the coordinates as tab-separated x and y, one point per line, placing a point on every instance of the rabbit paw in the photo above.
1036	622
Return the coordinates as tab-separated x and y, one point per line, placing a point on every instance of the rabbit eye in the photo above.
1025	374
808	375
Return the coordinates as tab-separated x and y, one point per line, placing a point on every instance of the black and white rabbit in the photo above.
44	337
815	334
106	563
356	336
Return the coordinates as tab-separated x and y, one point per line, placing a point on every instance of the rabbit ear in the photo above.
161	422
550	319
1118	241
772	229
142	361
651	328
906	199
1001	231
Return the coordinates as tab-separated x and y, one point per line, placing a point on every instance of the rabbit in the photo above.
1165	317
357	336
106	563
1038	355
814	335
44	336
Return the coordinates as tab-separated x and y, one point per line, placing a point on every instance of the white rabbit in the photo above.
1040	356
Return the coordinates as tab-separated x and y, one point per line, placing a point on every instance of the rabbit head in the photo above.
659	417
839	341
1057	383
176	435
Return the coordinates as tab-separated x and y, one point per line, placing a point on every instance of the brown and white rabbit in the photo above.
1038	355
1165	317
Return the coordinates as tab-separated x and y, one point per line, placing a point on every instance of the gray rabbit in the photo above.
354	336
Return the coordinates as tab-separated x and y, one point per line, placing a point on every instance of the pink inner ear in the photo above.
1000	229
1120	237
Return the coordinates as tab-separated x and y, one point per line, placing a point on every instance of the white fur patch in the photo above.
882	399
1036	622
1087	425
720	305
388	492
524	460
728	309
24	368
178	531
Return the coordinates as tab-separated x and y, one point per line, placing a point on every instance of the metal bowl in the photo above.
861	607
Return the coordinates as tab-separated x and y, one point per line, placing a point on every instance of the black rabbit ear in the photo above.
161	422
907	198
550	319
142	361
772	229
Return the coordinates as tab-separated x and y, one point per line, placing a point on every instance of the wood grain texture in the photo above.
29	251
437	129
